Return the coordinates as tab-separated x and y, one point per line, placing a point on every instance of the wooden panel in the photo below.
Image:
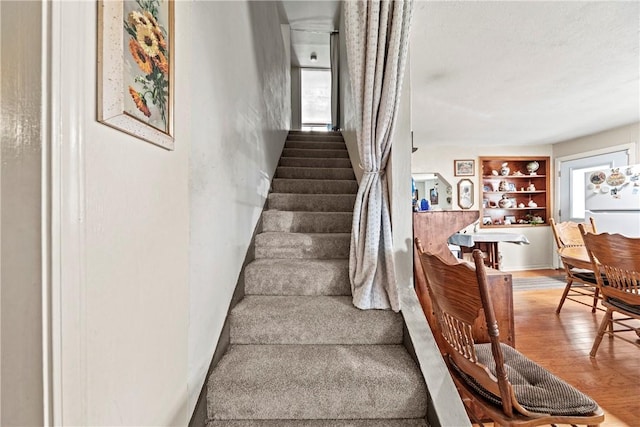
433	228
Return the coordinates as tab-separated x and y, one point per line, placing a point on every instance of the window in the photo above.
316	99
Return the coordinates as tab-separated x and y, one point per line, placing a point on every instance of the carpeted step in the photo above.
315	136
314	173
307	222
297	277
315	162
320	145
314	186
272	382
311	320
411	422
302	245
301	152
311	202
323	136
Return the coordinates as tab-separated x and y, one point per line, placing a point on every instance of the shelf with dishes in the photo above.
515	191
516	209
513	176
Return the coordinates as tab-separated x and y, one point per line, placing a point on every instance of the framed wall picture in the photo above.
135	68
465	193
464	167
433	196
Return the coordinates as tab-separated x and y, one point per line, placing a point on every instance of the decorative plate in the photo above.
616	178
597	178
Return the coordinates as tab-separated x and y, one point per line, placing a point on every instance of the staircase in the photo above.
301	354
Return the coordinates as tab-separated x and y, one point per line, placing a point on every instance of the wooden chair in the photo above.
581	281
495	381
618	258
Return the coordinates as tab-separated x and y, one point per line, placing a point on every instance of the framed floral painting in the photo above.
135	68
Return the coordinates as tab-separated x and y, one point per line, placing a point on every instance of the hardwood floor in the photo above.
561	343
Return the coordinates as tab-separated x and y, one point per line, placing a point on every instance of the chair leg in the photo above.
564	295
605	322
595	299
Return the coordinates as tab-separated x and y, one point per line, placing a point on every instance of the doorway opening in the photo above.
315	96
572	183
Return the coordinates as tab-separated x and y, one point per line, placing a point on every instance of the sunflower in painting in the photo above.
148	48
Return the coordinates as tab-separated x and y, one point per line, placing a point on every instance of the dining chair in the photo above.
618	258
494	380
581	281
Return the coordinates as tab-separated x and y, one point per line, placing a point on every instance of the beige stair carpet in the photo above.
301	354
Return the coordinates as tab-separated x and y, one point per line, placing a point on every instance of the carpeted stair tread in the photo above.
323	153
311	202
307	222
311	320
297	277
314	173
320	145
316	382
314	186
305	136
411	422
273	244
315	162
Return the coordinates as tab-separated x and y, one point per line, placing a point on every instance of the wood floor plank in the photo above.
561	343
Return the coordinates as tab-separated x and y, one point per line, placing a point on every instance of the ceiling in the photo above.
506	73
311	23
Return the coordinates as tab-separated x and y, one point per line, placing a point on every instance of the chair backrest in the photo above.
568	234
618	257
459	293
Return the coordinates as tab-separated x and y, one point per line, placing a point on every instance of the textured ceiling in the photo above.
498	73
311	23
493	73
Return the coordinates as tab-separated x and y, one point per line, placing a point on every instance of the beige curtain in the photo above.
377	36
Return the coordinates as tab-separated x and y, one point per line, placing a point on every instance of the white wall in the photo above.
347	107
539	253
21	345
629	134
239	127
400	187
151	241
123	293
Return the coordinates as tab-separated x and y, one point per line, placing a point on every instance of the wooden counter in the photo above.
433	228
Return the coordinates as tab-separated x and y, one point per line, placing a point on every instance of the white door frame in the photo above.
629	147
66	200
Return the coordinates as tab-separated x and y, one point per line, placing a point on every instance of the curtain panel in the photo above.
377	37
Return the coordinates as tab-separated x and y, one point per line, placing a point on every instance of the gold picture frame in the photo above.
135	68
465	167
465	193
